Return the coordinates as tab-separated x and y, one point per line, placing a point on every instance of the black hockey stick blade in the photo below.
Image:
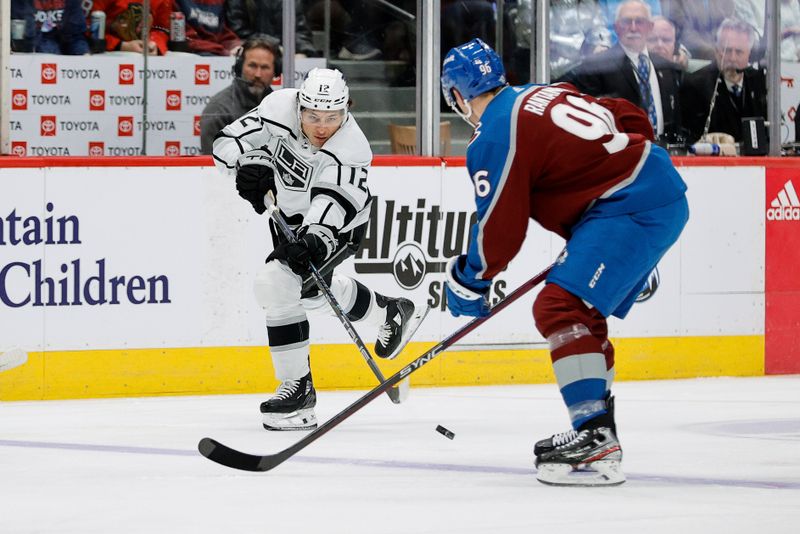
224	455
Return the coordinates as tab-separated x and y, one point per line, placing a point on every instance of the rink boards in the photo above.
133	276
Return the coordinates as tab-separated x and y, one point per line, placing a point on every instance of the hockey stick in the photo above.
222	454
396	394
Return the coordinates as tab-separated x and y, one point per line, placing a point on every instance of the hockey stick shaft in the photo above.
224	455
286	230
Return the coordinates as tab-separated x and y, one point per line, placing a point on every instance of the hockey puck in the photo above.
443	431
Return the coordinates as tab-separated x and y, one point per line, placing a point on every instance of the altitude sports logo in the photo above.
408	266
412	242
786	206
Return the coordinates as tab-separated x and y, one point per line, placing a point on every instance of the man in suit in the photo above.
740	90
628	71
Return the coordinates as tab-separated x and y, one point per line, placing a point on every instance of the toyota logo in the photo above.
125	74
48	72
48	126
20	100
202	74
97	100
125	126
173	100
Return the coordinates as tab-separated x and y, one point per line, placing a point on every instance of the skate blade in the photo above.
12	358
414	323
298	420
599	473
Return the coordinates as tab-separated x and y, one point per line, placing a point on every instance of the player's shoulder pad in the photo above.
278	112
349	146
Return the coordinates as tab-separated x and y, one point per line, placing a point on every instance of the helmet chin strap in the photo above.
464	116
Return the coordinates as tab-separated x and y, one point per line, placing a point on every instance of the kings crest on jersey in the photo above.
337	172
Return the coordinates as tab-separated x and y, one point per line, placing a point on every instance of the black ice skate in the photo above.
556	440
562	438
592	458
403	318
292	406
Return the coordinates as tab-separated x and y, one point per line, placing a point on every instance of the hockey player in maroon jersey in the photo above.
586	169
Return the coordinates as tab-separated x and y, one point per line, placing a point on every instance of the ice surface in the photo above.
705	455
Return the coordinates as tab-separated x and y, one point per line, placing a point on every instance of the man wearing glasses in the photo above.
628	71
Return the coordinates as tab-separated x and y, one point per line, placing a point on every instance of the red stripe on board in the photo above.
782	285
378	161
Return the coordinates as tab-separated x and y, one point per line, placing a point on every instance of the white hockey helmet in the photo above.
324	89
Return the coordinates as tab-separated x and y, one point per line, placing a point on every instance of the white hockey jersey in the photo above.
325	185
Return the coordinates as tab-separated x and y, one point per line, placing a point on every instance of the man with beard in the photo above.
258	62
740	89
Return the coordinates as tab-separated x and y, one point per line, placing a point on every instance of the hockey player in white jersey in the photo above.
305	148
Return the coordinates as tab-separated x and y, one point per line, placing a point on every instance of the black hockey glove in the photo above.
255	177
315	244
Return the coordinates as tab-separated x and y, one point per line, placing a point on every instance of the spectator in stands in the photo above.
662	41
22	10
53	26
125	20
357	27
741	91
628	71
257	63
207	31
790	30
249	17
609	9
697	21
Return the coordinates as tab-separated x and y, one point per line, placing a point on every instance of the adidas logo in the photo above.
786	207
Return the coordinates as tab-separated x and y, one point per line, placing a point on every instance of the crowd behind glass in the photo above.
670	57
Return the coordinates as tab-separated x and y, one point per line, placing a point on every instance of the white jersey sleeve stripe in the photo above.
340	194
330	215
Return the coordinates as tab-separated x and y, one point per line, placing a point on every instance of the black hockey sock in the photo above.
361	304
